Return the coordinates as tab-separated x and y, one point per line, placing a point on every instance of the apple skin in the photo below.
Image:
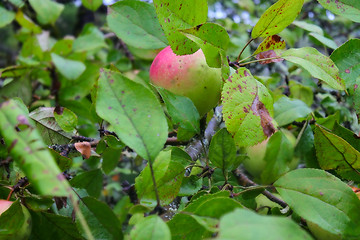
189	76
255	162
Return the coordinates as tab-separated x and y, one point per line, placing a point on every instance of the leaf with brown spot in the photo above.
29	151
247	109
84	148
277	18
333	152
318	65
349	9
178	14
269	54
212	39
169	168
271	43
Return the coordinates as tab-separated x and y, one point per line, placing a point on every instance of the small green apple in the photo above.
189	76
255	162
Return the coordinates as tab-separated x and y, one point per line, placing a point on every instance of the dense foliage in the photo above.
91	148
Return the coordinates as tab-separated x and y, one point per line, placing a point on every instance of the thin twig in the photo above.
245	181
196	147
259	60
238	58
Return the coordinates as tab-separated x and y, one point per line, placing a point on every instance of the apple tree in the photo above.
171	119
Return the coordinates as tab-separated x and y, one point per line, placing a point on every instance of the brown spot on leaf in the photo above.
268	54
276	38
260	110
22	120
13	143
61	177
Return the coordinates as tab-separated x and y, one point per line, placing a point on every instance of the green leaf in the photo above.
47	11
324	40
222	151
151	228
136	23
91	38
190	185
317	64
70	69
92	5
346	8
183	226
20	87
309	27
26	22
134	112
29	151
279	154
66	119
357	97
346	58
247	104
305	147
347	135
287	110
15	222
247	225
301	92
18	3
204	210
181	110
102	221
177	15
51	226
169	168
212	39
64	163
322	199
277	18
111	158
62	47
91	181
6	17
333	152
50	131
81	87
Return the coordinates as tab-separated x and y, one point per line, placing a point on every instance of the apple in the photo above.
255	162
189	76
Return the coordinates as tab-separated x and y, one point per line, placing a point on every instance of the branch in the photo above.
195	148
245	181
